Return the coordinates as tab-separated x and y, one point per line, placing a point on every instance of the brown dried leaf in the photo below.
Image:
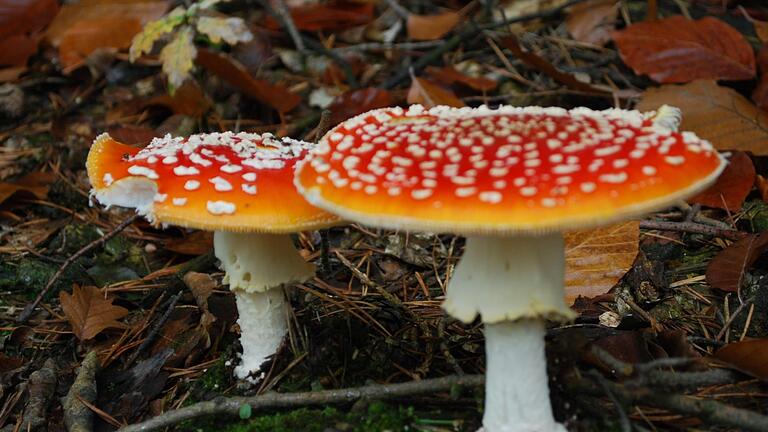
231	71
718	114
197	243
679	50
7	190
430	94
733	185
431	27
20	24
80	40
726	270
762	186
592	21
449	75
338	15
88	312
358	101
596	259
748	356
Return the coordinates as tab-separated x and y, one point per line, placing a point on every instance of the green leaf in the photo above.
178	57
245	411
232	30
142	43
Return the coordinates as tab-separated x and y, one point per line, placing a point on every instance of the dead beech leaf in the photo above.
337	15
718	114
188	100
592	21
20	24
449	75
679	50
431	27
760	94
7	190
726	270
197	243
596	259
230	29
357	102
733	185
748	356
78	41
762	186
178	57
429	94
231	71
89	313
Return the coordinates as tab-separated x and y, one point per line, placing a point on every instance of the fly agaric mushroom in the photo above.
237	185
510	179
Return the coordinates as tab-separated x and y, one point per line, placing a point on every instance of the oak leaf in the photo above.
142	43
178	57
596	259
229	29
726	270
89	313
679	50
718	114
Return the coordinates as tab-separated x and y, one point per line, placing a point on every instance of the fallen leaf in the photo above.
231	30
89	313
449	75
596	259
357	102
760	94
592	21
748	356
231	71
726	270
133	135
20	23
679	50
328	16
718	114
7	190
197	243
430	94
188	100
83	27
733	185
762	186
87	36
431	27
178	57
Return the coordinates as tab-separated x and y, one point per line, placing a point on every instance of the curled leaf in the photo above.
727	268
231	29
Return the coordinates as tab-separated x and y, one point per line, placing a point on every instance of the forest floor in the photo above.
672	327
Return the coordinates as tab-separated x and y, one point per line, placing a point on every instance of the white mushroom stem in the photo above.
257	267
514	283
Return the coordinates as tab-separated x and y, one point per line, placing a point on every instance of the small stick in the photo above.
155	331
691	227
231	406
27	312
281	10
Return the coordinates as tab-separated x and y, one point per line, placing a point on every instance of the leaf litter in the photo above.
669	296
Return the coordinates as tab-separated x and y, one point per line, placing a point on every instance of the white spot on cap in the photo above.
649	170
231	168
250	176
139	170
182	170
588	187
464	192
220	207
548	202
250	189
170	160
528	191
108	179
179	201
160	197
191	185
613	178
220	184
419	194
674	160
491	197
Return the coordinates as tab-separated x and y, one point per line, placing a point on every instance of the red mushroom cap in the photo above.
477	170
219	181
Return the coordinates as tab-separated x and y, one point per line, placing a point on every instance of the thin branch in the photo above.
27	312
231	406
691	227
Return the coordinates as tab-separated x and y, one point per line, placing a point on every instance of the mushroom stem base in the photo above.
516	386
263	325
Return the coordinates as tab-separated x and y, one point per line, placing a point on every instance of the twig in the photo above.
284	15
624	423
231	406
27	312
155	331
691	227
77	416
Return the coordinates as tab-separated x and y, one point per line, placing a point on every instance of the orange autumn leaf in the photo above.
733	185
431	27
357	102
726	270
596	259
20	24
429	94
592	21
87	36
748	356
679	50
328	16
89	313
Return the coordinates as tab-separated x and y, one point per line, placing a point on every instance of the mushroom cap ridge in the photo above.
503	171
230	182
